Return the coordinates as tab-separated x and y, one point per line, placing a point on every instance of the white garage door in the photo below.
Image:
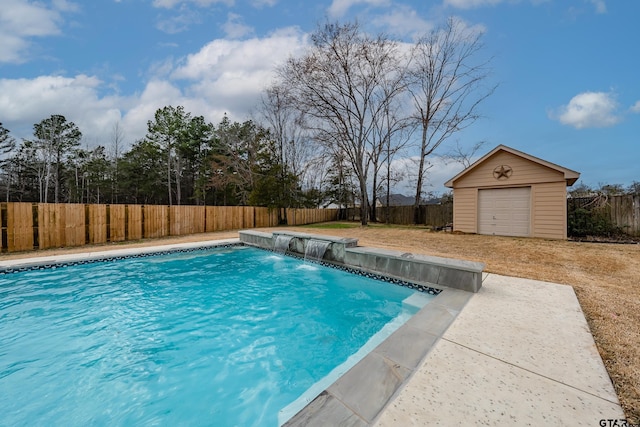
504	211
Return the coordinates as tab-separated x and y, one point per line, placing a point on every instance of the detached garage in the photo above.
511	193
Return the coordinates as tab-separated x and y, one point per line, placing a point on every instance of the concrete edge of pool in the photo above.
359	396
520	352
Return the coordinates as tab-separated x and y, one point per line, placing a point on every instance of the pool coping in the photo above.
360	395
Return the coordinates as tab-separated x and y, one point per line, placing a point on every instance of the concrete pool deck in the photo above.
519	351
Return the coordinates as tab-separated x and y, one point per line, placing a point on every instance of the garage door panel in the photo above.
504	211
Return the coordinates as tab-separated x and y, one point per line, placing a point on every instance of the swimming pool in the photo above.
226	337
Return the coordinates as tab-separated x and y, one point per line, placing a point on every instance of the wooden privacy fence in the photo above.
432	215
600	214
28	226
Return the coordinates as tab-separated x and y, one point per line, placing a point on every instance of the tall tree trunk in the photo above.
169	177
178	181
374	194
388	210
364	202
46	183
416	202
57	183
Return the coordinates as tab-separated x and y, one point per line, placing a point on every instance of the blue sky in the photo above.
567	70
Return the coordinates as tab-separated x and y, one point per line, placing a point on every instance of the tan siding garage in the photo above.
511	193
464	209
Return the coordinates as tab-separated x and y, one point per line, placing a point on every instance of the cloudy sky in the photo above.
567	69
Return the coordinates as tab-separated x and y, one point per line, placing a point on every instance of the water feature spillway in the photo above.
281	243
315	249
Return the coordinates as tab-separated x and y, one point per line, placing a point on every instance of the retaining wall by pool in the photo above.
436	271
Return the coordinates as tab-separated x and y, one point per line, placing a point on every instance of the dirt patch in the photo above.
604	276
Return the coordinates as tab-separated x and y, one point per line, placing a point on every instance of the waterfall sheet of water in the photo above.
316	249
281	244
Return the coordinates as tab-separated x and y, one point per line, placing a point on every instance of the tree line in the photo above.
326	131
182	160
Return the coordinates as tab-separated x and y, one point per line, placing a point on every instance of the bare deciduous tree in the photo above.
286	128
447	78
337	83
462	155
390	133
117	139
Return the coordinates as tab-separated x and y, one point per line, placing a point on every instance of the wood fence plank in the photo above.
199	219
155	221
134	222
97	223
248	218
74	224
117	218
50	226
59	225
19	227
176	214
210	224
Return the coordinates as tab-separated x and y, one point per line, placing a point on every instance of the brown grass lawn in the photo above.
605	277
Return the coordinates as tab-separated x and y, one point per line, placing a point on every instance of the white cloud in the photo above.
404	21
20	21
24	102
169	4
65	6
229	75
235	27
156	94
635	108
224	57
339	8
589	110
471	4
263	3
178	23
600	5
225	76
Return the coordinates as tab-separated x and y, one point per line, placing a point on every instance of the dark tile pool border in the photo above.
106	258
376	276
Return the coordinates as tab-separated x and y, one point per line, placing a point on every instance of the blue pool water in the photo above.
224	337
